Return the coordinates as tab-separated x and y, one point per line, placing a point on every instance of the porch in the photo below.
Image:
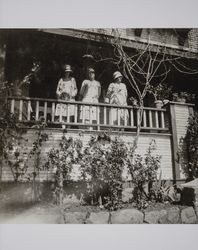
165	125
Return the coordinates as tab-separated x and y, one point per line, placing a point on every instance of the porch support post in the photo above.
2	73
179	114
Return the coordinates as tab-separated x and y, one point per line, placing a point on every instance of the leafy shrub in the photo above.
102	167
161	91
143	171
163	191
61	161
183	96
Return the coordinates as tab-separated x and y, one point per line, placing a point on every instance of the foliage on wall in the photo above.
11	144
190	143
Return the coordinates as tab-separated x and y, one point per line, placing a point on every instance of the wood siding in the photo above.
163	142
181	120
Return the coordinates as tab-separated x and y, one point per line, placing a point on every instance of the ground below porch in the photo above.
17	207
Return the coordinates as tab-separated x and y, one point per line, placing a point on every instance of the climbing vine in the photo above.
35	153
189	143
14	151
11	144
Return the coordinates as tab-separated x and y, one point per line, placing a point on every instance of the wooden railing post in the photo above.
3	94
179	114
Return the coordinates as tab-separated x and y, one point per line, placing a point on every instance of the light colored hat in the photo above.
91	70
67	68
116	75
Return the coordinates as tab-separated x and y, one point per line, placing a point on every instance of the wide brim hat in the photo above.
116	75
67	68
91	70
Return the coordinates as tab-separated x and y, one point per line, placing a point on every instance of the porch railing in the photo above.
100	116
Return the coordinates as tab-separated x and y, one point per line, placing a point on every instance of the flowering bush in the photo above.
61	161
102	167
183	96
160	92
143	171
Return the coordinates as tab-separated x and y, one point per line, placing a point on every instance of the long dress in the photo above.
90	92
66	91
117	94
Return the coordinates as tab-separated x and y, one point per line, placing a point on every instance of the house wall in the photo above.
167	36
163	143
180	115
193	39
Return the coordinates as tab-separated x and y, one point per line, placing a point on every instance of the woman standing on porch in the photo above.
66	91
90	93
117	94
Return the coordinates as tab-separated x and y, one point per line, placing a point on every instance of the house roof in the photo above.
129	42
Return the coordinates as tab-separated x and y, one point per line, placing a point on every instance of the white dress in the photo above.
66	91
117	94
90	92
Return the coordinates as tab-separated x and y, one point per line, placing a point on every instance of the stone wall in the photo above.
172	215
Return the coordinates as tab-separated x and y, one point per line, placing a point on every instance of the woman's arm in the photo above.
74	90
82	90
58	89
122	94
124	91
99	90
109	93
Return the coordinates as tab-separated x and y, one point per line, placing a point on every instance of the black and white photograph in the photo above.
98	126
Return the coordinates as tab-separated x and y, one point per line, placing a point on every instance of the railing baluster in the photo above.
125	117
53	111
76	114
20	110
132	120
156	119
111	116
12	106
150	119
68	113
29	110
105	115
37	110
144	119
162	119
90	114
98	116
83	112
61	110
138	116
118	113
45	111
